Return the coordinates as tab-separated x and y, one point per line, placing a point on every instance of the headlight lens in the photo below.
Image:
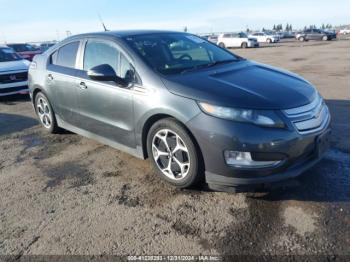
258	117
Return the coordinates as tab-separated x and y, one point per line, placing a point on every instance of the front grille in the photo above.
13	89
13	78
309	118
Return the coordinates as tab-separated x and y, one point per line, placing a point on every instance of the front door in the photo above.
106	109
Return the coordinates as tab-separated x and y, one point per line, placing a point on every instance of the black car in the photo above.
316	34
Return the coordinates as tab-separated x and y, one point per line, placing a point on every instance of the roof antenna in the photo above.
103	24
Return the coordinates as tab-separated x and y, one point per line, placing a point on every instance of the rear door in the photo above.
106	109
60	79
236	41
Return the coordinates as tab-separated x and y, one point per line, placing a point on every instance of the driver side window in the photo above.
99	53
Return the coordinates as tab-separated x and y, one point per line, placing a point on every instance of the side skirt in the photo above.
136	152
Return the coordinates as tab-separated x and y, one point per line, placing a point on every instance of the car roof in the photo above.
124	33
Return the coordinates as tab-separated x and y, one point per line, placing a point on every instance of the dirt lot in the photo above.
64	194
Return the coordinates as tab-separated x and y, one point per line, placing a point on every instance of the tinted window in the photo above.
7	54
176	52
99	53
23	47
66	55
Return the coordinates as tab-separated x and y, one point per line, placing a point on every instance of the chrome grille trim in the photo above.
309	118
303	109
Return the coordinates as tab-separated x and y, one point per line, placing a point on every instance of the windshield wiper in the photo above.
209	65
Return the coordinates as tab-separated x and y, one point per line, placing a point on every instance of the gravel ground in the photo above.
68	195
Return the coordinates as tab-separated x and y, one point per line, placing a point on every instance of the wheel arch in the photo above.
157	117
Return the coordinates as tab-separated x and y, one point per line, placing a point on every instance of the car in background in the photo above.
26	51
13	72
265	37
211	38
236	40
286	34
344	31
45	46
316	34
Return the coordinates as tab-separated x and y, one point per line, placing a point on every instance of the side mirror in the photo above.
106	73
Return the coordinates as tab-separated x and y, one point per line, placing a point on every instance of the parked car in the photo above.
13	72
46	46
286	34
200	112
26	51
265	37
315	34
211	38
344	31
236	40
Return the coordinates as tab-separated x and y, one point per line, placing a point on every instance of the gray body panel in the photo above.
119	116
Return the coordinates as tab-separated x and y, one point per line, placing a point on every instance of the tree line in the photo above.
289	27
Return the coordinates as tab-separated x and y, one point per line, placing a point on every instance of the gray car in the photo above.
198	111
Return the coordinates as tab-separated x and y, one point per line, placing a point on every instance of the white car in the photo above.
344	31
236	40
265	38
13	72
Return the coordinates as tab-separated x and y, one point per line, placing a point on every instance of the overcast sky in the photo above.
38	20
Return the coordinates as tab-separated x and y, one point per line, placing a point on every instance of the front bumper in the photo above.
214	136
14	88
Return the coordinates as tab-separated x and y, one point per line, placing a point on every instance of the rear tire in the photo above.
222	45
173	153
325	38
269	41
45	113
244	45
301	39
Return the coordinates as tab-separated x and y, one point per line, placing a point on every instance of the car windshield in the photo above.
23	47
7	55
174	53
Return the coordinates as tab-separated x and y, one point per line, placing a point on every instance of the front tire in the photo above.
269	41
45	113
244	45
173	153
325	38
301	39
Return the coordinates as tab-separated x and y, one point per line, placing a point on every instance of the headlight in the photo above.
266	118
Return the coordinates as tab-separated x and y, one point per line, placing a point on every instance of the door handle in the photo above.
83	86
50	77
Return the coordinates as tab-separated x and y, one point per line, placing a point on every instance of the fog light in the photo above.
244	160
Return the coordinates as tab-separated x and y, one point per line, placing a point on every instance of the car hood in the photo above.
245	84
14	65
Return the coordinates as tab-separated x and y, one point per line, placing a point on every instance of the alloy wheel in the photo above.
171	154
44	112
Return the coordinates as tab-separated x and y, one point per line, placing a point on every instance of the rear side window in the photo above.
99	53
66	55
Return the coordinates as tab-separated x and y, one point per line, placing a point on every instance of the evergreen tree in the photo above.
274	27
